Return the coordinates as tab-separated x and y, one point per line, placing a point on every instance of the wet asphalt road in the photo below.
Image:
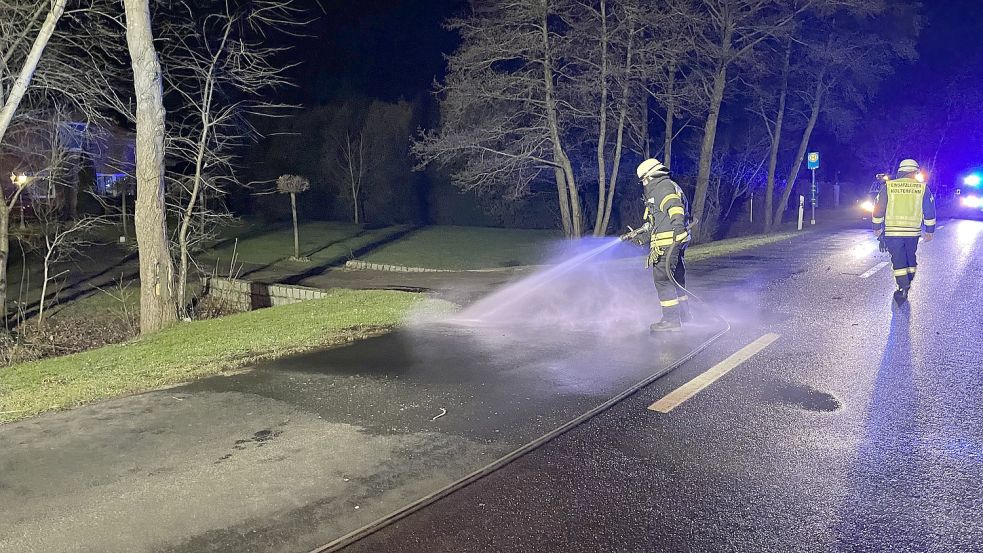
859	429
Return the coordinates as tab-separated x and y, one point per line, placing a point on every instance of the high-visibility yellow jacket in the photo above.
902	205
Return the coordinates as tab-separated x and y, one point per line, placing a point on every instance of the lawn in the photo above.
466	248
192	350
322	242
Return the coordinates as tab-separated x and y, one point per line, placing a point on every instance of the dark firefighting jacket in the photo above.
666	216
902	205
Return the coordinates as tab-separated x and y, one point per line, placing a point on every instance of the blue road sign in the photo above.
813	160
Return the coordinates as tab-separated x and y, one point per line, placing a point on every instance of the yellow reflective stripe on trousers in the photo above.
930	222
912	270
682	237
676	210
662	206
901	272
669	303
683	298
875	220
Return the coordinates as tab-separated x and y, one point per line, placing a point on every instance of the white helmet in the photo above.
908	166
650	167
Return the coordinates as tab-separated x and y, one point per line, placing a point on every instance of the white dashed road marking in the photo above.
693	387
874	269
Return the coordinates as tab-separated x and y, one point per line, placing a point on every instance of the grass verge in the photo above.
192	350
734	245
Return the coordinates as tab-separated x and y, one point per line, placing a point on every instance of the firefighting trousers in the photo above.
672	298
902	249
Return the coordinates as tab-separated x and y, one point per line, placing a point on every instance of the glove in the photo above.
655	255
878	232
881	244
929	236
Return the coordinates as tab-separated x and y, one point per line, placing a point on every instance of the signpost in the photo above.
812	162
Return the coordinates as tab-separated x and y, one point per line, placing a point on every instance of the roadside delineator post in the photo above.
802	209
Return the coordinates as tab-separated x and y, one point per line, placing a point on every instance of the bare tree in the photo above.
671	72
62	241
605	88
218	67
842	67
772	110
19	24
157	304
293	185
500	107
365	149
733	31
352	160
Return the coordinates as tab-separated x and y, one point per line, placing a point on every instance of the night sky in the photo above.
383	49
393	49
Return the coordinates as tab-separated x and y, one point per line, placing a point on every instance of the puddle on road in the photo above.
807	398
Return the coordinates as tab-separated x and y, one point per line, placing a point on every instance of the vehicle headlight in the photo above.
867	205
972	201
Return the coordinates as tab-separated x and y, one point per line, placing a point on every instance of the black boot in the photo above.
901	296
666	326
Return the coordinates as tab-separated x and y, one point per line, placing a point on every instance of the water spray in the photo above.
538	281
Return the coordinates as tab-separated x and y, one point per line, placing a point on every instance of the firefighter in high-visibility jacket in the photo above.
903	206
666	229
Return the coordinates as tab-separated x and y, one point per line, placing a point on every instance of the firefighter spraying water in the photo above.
666	231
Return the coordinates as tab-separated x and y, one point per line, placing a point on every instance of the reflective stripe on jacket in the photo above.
666	213
902	205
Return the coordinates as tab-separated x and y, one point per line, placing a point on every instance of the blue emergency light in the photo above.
973	180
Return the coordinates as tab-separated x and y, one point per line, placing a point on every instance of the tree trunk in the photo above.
670	116
4	255
710	131
605	216
44	285
19	87
157	306
561	194
293	210
197	194
801	154
126	223
567	186
602	127
71	184
776	141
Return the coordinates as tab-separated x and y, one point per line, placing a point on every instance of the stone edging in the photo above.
246	295
357	265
